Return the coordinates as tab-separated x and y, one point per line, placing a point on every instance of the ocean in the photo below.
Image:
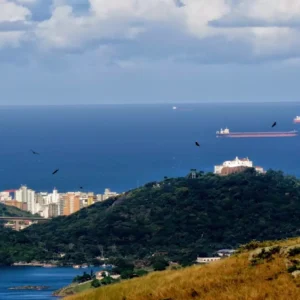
124	146
54	278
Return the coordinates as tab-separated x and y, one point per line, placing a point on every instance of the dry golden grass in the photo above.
233	278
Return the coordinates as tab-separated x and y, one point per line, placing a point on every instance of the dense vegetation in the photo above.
178	220
11	211
9	249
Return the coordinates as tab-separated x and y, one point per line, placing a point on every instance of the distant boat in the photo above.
297	119
227	134
49	266
76	266
174	107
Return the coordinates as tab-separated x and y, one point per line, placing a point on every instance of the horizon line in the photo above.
156	103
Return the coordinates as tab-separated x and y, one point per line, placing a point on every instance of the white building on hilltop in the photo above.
232	166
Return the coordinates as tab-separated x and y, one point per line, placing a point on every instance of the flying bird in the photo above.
55	171
33	152
274	124
197	144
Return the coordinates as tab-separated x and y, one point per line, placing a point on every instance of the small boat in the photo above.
48	266
76	267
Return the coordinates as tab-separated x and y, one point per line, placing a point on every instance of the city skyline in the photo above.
156	51
52	204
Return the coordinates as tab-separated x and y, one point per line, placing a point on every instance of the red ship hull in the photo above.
257	134
296	121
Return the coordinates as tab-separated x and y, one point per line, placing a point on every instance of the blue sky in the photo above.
148	51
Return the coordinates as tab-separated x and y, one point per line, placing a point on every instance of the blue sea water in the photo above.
54	278
123	146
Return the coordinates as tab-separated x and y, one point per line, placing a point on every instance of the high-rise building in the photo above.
91	199
108	193
31	201
26	197
72	203
14	203
53	210
61	205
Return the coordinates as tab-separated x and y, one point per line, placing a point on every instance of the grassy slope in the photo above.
232	278
73	289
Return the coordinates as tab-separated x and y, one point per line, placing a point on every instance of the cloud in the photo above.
240	22
15	26
220	31
12	12
26	1
66	31
179	3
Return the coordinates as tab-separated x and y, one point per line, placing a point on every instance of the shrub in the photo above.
294	251
95	283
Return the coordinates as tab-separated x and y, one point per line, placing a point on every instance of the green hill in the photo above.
11	211
179	219
11	241
182	218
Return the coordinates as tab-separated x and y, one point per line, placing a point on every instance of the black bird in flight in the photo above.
197	144
274	124
55	171
33	152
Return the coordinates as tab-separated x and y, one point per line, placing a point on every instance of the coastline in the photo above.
28	282
34	264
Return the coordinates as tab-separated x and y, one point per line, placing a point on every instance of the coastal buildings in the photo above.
107	194
236	165
50	205
225	252
72	203
205	260
25	195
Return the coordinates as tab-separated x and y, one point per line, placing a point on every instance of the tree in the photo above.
107	280
96	283
127	274
159	264
141	272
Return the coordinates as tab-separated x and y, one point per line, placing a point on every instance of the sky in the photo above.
148	51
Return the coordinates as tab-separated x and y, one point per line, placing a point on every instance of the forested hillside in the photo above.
181	218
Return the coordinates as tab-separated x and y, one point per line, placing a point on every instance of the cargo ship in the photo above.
227	134
297	119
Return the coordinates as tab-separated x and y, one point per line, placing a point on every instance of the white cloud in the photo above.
198	13
65	30
270	10
12	12
147	10
26	1
108	21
